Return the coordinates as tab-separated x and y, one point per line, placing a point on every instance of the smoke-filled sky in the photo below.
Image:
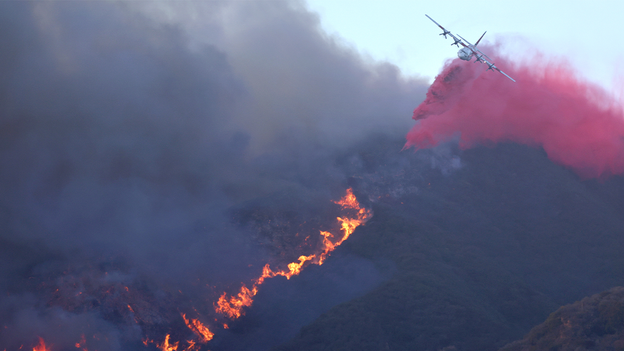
130	129
107	105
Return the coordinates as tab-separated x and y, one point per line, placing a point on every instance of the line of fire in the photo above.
231	307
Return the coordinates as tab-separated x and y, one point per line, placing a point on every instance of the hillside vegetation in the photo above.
594	323
482	245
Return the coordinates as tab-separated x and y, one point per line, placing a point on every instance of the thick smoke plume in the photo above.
577	123
129	135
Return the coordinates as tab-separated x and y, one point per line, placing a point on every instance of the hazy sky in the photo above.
588	33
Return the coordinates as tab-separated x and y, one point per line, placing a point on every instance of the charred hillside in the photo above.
482	245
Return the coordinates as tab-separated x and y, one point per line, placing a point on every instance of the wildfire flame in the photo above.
204	334
232	307
192	346
166	346
41	346
199	329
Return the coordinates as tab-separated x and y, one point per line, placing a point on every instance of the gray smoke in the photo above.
129	129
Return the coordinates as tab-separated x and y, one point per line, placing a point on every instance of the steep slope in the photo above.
594	323
483	243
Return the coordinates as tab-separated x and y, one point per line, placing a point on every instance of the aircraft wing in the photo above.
446	32
482	54
465	40
493	66
481	57
505	74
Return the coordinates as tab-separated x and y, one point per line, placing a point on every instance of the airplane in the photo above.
469	51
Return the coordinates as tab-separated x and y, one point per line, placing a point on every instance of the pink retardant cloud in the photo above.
577	123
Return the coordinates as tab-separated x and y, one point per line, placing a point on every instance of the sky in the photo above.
586	33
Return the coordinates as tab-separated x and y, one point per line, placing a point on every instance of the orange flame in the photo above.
348	201
192	346
41	346
165	346
232	307
198	328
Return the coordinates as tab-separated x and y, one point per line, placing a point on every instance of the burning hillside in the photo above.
129	143
151	314
144	168
232	307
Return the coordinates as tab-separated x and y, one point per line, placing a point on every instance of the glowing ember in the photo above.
41	346
82	344
232	307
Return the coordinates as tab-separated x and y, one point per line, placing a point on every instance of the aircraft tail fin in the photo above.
477	43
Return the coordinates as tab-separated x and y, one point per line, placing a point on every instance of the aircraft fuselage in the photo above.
465	54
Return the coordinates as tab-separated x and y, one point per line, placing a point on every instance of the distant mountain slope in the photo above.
484	243
594	323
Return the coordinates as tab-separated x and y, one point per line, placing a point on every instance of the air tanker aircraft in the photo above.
469	50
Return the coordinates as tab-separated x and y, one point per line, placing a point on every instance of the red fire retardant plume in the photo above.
577	123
